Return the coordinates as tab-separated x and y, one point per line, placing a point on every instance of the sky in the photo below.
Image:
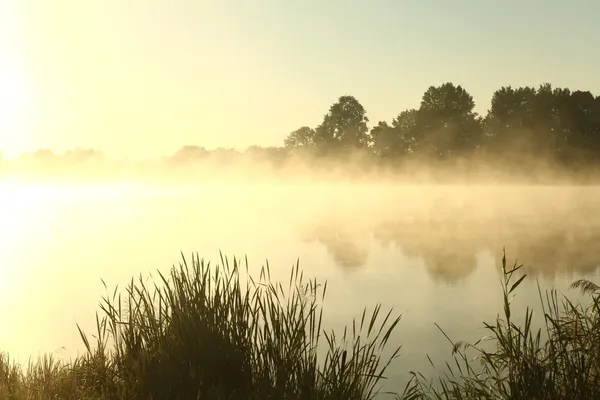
141	78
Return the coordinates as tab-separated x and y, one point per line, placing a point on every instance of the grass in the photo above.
559	361
216	333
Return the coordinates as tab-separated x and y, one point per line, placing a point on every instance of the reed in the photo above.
214	333
561	360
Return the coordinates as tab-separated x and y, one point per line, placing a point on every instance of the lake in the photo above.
431	252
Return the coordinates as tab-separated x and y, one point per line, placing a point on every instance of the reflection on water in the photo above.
553	230
430	252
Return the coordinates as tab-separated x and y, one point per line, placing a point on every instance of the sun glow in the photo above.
28	209
14	91
13	102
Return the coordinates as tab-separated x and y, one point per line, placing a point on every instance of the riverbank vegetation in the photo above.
203	332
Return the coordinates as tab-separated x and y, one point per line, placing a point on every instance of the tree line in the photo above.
522	126
545	122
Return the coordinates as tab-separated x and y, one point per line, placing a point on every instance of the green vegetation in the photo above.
215	333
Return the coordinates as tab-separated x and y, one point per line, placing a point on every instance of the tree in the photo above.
446	123
343	127
303	138
555	123
83	155
581	116
395	140
44	155
188	154
383	137
272	155
508	119
405	125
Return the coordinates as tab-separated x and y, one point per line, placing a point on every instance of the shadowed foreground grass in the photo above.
559	361
215	333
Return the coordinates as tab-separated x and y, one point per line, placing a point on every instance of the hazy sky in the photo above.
143	77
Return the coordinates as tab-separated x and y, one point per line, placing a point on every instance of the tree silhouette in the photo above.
83	155
269	155
344	127
581	126
397	140
384	139
446	123
188	154
521	121
556	124
302	139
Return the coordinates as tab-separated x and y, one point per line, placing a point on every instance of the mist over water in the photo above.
134	134
430	251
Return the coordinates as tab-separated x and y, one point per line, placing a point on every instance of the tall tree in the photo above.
344	126
446	123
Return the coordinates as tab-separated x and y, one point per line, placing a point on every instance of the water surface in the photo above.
431	252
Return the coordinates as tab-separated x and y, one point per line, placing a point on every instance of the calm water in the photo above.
433	253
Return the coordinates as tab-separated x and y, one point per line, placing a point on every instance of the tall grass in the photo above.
214	333
561	360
